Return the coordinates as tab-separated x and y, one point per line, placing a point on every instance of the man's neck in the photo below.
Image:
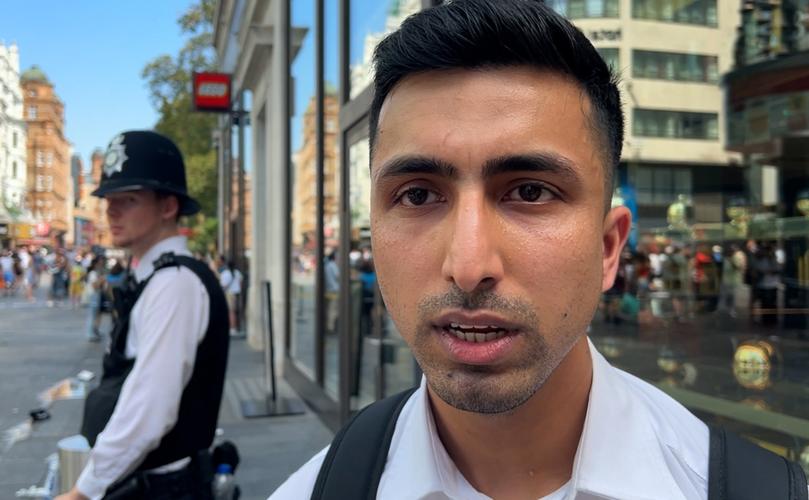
527	453
141	247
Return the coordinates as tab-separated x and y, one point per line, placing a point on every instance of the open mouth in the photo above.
476	333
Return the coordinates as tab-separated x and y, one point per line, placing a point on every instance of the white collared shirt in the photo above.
637	444
167	323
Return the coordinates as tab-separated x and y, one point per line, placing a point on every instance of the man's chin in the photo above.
483	391
121	241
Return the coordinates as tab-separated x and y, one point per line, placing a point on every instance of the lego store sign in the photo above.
212	92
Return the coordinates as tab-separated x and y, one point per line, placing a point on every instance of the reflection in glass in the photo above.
675	124
303	179
674	66
577	9
383	364
370	21
700	12
362	285
331	193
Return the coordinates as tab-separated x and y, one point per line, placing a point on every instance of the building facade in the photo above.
669	56
48	157
90	221
13	172
673	317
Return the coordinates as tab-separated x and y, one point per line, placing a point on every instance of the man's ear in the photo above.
170	208
617	224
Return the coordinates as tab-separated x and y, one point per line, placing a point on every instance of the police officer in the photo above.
153	417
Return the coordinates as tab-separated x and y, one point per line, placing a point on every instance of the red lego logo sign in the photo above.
212	92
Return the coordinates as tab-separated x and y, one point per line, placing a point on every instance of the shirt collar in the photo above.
618	440
175	244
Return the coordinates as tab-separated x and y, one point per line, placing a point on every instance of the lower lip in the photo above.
477	353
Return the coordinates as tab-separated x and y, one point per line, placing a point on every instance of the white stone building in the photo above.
12	131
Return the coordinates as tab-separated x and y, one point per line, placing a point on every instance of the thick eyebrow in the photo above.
534	162
413	164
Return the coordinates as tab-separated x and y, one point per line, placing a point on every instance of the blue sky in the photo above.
93	52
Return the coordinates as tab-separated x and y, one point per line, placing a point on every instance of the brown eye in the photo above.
530	192
417	196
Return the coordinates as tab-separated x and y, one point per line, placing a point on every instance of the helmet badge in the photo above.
115	157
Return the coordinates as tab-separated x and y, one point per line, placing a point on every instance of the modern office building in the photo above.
303	67
670	56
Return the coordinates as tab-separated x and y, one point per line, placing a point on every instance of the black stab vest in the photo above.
202	396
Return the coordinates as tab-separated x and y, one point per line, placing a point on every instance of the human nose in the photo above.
473	260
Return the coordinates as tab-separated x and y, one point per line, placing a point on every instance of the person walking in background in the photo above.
734	267
766	279
77	275
7	268
60	277
27	267
331	275
231	280
95	285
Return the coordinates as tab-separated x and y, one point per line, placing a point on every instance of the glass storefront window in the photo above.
675	124
370	21
362	288
332	198
699	12
303	180
578	9
674	66
381	360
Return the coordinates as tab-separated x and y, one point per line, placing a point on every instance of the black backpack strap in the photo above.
355	461
740	470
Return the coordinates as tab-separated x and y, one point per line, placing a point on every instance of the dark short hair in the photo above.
472	34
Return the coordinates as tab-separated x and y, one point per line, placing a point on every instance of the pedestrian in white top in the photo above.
153	416
231	280
495	132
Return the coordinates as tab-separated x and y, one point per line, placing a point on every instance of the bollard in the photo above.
74	451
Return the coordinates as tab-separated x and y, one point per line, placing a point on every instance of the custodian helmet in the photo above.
142	159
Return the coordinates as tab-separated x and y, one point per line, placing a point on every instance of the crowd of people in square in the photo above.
87	277
680	281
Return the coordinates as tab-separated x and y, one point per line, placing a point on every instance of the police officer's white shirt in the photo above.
637	443
167	323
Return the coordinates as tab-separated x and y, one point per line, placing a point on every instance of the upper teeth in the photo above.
484	333
474	327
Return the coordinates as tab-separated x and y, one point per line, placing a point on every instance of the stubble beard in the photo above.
487	389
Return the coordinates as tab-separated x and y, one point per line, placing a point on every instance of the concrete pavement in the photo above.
41	346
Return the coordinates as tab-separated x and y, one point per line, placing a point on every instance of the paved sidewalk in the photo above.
41	345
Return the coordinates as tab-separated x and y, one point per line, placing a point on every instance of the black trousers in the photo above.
185	484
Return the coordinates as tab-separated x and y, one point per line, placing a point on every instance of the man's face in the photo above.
488	228
133	216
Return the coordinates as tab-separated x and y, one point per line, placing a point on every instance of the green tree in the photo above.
169	79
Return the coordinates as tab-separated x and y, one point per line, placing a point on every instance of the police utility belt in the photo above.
195	476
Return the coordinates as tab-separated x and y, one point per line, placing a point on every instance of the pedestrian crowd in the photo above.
674	280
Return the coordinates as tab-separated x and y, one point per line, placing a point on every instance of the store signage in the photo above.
604	35
212	92
43	229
